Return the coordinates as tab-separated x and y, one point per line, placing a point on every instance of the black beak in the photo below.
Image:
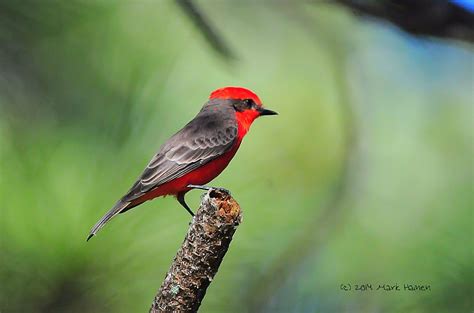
263	111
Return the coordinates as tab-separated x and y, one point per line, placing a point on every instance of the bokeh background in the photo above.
366	176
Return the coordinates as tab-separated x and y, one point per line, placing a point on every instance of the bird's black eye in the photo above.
245	104
249	103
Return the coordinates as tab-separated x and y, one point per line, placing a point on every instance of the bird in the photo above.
197	153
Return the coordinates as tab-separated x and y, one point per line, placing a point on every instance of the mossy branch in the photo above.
200	255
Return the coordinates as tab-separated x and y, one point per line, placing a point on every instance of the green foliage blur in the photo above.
366	176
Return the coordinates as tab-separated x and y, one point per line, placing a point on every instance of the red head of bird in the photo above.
246	103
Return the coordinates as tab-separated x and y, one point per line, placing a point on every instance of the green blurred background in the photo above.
366	176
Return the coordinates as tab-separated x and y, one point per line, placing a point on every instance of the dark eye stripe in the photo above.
245	104
249	103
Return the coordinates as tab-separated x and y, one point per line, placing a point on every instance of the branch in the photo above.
204	26
200	255
442	19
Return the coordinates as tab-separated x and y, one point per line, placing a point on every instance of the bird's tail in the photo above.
118	208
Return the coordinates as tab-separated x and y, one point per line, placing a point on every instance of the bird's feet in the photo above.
204	187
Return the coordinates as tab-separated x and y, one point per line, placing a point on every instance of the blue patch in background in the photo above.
466	4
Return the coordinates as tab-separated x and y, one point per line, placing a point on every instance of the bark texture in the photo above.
200	255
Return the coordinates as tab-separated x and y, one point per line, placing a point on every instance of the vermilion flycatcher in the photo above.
197	153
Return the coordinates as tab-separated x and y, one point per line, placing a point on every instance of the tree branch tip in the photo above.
226	206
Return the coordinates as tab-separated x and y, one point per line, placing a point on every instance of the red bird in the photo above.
196	154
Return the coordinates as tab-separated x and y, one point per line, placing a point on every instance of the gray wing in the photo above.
209	135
